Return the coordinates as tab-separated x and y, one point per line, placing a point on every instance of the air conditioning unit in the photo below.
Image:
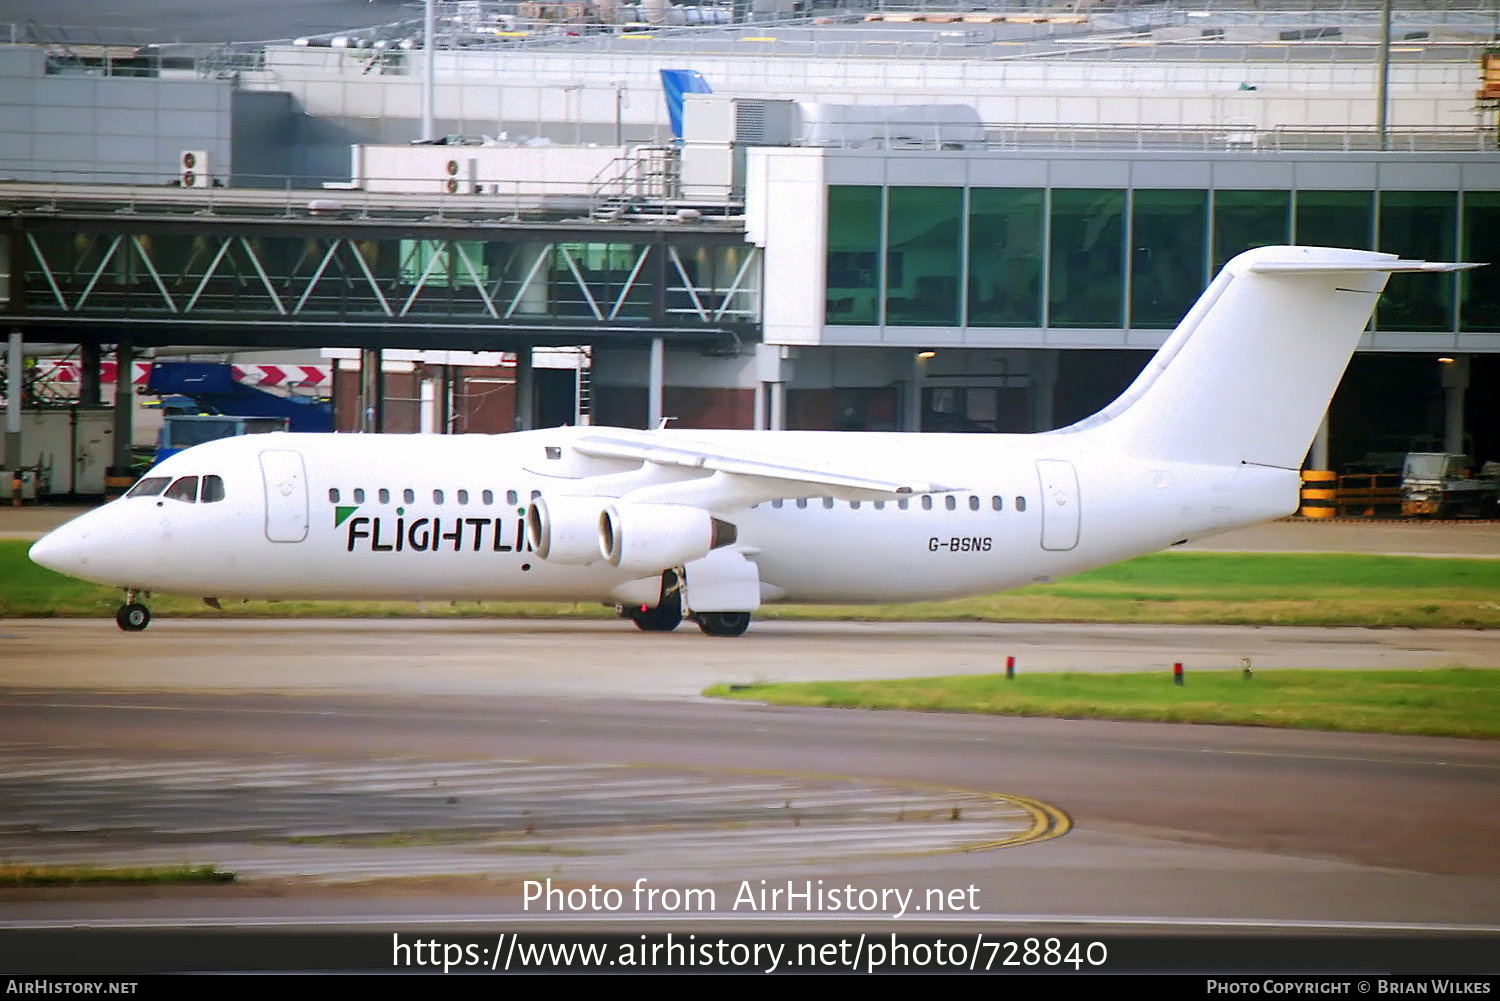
193	169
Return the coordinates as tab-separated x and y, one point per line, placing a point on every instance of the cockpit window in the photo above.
213	489
149	487
185	489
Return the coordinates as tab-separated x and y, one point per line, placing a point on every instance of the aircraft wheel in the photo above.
133	617
723	623
661	619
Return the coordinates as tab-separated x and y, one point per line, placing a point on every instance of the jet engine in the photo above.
651	537
565	529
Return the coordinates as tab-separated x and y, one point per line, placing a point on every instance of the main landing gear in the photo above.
667	615
132	616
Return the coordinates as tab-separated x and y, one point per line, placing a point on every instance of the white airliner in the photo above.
708	525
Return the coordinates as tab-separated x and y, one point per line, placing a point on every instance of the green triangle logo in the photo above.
342	512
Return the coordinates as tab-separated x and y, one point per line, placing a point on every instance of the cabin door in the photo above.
1060	508
286	495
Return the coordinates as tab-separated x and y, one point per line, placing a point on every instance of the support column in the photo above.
1317	458
525	390
654	380
1455	375
124	406
912	418
14	373
772	369
445	401
88	375
1043	389
371	390
377	384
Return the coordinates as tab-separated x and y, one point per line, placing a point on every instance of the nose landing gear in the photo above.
132	616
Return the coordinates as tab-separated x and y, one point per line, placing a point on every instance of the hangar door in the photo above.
286	495
1060	508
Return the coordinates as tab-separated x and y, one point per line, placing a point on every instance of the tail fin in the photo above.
1248	373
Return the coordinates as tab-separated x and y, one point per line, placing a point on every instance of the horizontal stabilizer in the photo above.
1390	266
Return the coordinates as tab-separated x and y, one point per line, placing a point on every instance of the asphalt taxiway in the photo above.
406	771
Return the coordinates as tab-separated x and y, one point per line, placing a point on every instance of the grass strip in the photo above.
1340	589
1449	702
83	875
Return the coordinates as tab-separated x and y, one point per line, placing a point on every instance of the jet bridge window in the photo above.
185	489
149	487
213	489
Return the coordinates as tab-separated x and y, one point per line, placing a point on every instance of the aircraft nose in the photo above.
63	549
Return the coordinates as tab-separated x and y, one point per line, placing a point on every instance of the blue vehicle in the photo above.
180	431
203	402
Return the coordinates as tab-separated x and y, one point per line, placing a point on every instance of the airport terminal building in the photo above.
883	218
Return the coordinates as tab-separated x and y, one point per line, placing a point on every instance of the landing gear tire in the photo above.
656	620
723	623
667	615
133	617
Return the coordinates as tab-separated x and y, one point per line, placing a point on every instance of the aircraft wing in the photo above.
731	477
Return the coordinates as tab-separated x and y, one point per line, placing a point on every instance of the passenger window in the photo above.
880	505
385	496
213	489
487	498
828	503
185	490
974	503
359	495
904	504
926	502
1020	503
996	504
149	487
535	494
854	505
408	496
511	498
950	502
333	495
802	502
437	496
463	497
